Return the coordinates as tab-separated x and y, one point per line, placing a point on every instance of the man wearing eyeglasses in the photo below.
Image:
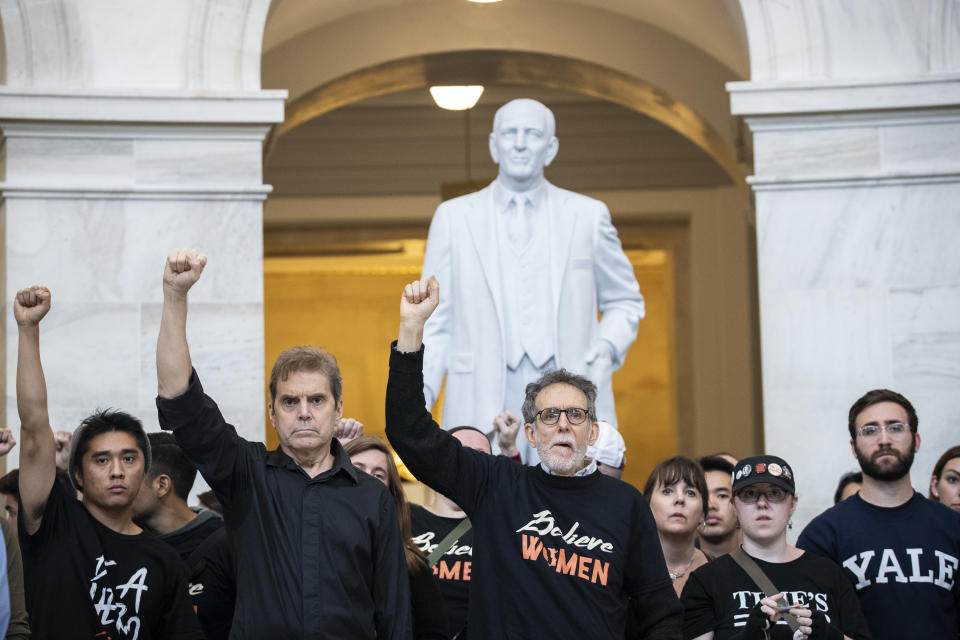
899	549
560	549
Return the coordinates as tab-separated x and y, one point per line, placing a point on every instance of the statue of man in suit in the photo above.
525	268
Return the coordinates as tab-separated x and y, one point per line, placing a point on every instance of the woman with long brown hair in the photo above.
371	455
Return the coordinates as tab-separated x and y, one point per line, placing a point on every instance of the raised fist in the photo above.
62	439
7	441
182	270
347	429
507	425
30	305
419	300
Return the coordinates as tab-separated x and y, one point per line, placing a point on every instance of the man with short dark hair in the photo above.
198	536
719	534
316	544
900	550
89	570
560	547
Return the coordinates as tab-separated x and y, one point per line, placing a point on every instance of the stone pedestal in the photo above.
97	188
857	190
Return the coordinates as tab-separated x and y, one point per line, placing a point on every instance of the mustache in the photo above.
883	451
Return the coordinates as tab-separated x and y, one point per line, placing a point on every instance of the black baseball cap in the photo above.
770	469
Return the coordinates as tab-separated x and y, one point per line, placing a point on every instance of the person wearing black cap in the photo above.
89	571
721	600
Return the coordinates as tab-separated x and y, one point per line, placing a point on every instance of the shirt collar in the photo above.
341	462
587	470
502	196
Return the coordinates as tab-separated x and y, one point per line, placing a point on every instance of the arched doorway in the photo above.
343	232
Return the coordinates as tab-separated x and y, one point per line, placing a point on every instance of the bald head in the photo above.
471	438
529	108
522	143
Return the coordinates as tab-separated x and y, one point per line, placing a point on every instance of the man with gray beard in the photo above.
559	548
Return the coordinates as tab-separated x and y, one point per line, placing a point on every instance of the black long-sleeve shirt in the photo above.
315	557
553	556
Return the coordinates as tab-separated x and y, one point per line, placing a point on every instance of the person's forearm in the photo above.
31	386
409	337
38	451
173	353
413	434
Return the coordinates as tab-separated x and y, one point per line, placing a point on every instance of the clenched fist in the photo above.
347	429
30	305
507	425
7	441
62	439
419	300
182	270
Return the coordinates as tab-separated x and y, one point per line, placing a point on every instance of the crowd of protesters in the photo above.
316	538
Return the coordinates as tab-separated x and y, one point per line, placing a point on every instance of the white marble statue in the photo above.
524	268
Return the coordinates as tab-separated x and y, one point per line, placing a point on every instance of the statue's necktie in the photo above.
519	226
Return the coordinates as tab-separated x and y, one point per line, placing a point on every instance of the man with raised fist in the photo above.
559	548
317	547
89	571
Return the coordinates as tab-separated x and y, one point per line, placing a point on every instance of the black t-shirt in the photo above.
559	556
454	567
83	579
187	538
203	546
719	595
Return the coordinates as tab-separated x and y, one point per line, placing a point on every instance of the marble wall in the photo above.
118	146
858	212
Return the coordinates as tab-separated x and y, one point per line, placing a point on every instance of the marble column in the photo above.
124	136
857	187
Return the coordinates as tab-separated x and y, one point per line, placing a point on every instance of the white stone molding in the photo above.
41	43
230	34
809	39
839	134
175	44
143	106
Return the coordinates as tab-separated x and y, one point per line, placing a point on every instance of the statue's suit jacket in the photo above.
464	337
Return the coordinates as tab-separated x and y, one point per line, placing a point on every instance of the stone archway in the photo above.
512	68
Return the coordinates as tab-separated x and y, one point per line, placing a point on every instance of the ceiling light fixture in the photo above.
456	97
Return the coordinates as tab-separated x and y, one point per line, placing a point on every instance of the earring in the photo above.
790	523
936	494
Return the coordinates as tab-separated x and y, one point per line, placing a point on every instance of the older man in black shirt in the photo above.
560	549
317	546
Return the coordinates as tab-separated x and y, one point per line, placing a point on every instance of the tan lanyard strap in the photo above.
760	578
448	541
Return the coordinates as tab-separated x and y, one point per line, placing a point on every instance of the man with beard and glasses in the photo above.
898	548
560	549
